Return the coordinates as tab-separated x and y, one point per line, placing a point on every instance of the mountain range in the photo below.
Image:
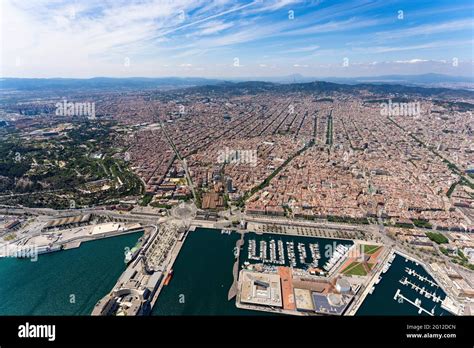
181	82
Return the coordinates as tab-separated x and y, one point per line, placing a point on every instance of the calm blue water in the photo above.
203	273
381	301
202	277
45	287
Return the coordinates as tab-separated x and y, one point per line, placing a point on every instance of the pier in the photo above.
420	277
136	290
172	258
421	291
400	298
235	269
72	245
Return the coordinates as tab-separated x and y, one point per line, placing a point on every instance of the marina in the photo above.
315	254
304	253
400	299
404	287
420	277
199	282
341	251
421	290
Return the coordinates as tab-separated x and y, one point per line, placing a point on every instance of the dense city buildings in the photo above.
310	151
250	161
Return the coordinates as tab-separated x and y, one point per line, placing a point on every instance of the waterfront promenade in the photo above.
235	269
365	289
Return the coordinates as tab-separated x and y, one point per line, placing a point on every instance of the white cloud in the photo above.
417	47
428	29
93	37
310	48
212	28
412	61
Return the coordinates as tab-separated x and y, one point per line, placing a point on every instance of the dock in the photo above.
420	277
137	289
400	298
235	270
421	291
172	258
72	245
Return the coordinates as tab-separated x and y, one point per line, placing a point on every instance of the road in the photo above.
182	160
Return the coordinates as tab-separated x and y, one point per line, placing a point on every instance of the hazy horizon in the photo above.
240	78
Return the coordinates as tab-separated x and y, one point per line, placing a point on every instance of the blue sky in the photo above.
223	38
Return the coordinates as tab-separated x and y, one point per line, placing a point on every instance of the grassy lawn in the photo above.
370	249
355	268
437	237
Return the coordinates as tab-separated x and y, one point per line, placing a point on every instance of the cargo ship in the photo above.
168	277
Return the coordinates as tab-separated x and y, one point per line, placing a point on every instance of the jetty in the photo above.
399	297
421	290
420	277
235	269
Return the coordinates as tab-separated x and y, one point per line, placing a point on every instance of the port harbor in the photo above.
406	288
272	273
74	279
317	276
263	268
300	275
149	268
200	284
68	233
305	255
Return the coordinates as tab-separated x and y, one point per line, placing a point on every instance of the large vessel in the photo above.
168	277
130	254
49	249
28	251
338	254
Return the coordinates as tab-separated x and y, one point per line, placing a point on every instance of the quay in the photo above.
136	290
77	241
421	291
173	255
420	277
399	297
235	269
